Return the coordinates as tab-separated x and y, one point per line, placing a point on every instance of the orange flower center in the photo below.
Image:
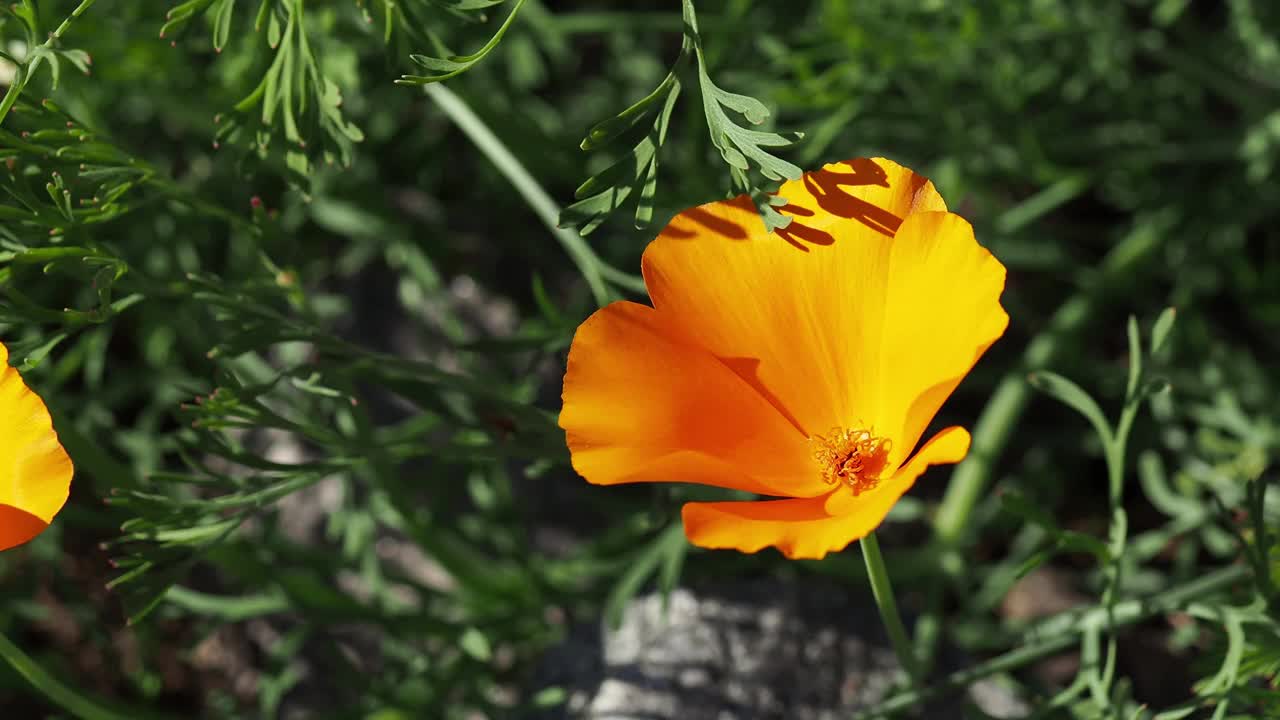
853	457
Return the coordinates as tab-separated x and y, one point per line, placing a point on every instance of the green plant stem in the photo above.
1259	552
24	73
995	425
882	589
1117	542
1116	443
593	269
57	693
1060	632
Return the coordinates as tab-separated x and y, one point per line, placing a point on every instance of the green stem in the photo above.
66	23
1060	632
1256	491
15	89
995	426
1116	443
56	692
888	606
589	264
24	74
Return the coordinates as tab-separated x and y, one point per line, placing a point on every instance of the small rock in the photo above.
764	650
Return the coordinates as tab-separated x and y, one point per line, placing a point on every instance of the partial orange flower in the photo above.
35	472
803	364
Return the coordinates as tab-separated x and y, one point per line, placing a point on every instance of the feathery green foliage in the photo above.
645	124
296	282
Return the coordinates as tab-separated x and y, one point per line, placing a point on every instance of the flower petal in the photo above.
942	311
642	403
18	526
801	308
809	528
35	472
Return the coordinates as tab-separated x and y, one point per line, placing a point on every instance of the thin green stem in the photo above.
888	606
15	89
995	425
1060	632
593	269
1116	445
66	23
24	73
1256	492
624	280
58	693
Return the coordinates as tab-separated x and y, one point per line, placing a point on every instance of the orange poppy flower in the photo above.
803	364
35	472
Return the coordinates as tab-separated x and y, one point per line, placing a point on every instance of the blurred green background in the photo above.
384	315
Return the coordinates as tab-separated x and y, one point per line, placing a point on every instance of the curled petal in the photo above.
643	403
800	528
941	312
860	317
809	528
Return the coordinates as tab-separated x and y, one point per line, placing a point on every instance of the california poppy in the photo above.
35	471
803	364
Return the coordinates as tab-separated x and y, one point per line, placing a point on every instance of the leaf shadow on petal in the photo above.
826	188
720	226
748	368
798	233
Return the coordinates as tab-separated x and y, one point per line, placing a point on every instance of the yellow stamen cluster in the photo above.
855	458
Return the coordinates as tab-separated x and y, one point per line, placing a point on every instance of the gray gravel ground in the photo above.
761	650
